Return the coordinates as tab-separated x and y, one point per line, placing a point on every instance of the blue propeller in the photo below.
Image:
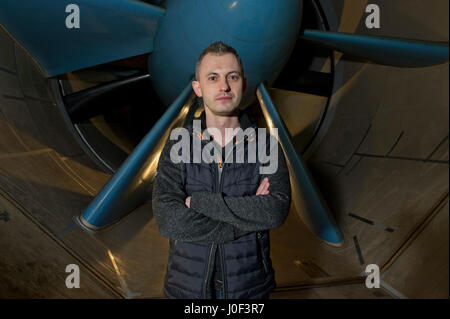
264	32
382	50
108	31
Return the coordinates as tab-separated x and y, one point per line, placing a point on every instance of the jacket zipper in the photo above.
205	285
221	249
221	177
208	271
220	246
224	281
262	252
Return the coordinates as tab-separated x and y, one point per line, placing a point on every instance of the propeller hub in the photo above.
263	32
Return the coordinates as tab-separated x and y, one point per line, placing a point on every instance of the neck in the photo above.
221	122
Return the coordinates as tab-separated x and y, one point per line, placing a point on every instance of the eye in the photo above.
234	77
212	78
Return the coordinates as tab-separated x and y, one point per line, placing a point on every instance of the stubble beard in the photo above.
233	111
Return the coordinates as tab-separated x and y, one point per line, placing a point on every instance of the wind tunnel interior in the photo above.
116	119
119	115
374	137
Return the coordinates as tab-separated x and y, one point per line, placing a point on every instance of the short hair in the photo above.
218	48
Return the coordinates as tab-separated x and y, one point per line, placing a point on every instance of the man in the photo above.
217	215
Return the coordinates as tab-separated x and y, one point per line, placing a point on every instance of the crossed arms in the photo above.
212	217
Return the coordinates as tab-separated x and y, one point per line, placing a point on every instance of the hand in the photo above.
263	189
188	202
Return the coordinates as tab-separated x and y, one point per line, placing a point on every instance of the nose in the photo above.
223	85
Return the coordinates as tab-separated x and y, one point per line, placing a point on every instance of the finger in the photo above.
266	186
265	190
264	182
261	186
259	190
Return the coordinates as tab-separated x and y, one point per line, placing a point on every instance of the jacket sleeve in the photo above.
251	213
172	217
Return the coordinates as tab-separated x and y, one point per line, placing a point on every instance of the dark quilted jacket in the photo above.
225	216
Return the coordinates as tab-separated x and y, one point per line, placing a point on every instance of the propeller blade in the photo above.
107	31
306	196
382	50
85	104
131	185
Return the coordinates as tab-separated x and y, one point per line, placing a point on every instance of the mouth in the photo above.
224	98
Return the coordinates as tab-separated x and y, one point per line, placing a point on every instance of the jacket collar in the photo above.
245	120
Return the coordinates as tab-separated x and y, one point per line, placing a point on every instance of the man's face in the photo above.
220	83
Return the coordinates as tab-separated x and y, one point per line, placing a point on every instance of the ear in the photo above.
244	84
197	88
